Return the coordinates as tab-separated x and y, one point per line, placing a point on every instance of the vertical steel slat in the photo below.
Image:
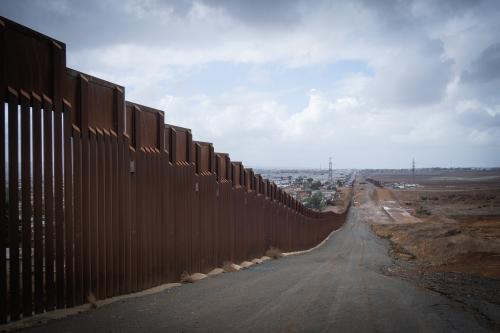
120	211
152	225
115	175
162	231
57	67
133	222
156	247
77	217
4	222
108	217
37	201
48	181
85	189
68	204
139	220
195	226
26	208
13	205
93	214
139	264
152	208
125	211
156	208
170	220
148	223
101	214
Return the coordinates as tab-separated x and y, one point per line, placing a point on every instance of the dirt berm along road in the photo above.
339	287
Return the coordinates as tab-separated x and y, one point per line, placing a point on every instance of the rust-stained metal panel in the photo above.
203	157
222	162
102	98
150	119
182	144
29	59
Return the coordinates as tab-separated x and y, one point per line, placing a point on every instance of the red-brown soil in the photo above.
458	221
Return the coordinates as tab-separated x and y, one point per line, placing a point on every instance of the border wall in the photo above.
99	196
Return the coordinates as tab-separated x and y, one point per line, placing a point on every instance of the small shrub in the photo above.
186	277
421	211
274	253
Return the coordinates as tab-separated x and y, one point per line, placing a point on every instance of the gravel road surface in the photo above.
339	287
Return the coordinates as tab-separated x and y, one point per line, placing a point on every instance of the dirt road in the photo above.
339	287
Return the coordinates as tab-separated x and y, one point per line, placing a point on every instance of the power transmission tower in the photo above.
330	171
413	170
413	181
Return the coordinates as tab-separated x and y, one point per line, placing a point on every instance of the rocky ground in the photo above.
477	294
451	244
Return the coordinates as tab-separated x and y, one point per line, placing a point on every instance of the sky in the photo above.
288	83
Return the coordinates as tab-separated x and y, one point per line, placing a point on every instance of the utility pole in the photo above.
330	171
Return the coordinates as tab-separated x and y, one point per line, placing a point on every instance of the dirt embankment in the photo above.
448	245
453	228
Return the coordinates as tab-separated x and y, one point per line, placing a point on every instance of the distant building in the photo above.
303	194
328	195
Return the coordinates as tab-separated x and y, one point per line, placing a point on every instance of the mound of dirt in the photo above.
246	264
215	271
452	245
187	278
383	194
230	267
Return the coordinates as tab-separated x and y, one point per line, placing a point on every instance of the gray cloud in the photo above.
428	75
486	68
263	12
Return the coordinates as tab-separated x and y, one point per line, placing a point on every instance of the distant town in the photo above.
316	189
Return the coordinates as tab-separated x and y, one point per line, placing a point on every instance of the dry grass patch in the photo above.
274	253
92	301
186	278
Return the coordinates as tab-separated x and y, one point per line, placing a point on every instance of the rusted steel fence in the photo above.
99	196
